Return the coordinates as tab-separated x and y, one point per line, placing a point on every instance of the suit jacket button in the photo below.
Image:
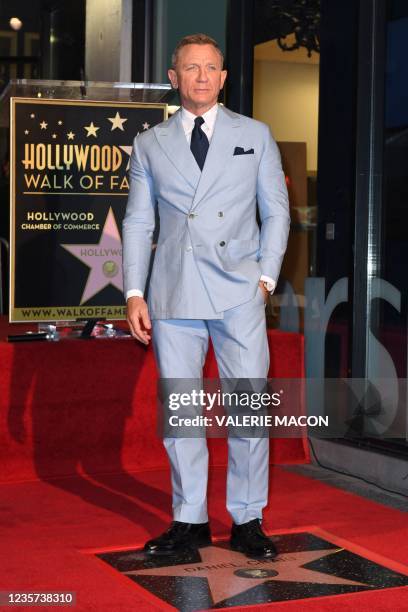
222	243
220	214
189	248
192	215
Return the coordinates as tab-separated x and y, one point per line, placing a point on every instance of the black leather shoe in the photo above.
180	537
251	540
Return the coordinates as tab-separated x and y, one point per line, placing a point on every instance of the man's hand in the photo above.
138	318
265	292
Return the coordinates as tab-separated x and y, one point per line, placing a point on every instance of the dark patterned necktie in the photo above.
199	142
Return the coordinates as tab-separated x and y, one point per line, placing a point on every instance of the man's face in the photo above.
198	76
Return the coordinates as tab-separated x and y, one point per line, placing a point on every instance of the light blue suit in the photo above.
204	281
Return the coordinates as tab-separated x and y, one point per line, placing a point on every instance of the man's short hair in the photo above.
195	39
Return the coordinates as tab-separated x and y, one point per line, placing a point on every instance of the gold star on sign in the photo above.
91	130
26	132
54	135
43	125
60	122
71	135
32	116
145	125
117	122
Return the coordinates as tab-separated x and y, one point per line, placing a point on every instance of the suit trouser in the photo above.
241	349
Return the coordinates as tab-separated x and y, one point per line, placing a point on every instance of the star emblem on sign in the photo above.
91	129
117	122
104	259
231	573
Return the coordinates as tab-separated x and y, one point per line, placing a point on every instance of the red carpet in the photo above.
47	526
77	425
90	405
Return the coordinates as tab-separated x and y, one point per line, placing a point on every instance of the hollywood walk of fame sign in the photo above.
217	577
69	175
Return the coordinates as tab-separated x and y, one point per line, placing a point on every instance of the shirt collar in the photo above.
209	116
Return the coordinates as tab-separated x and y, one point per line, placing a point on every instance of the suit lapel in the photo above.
174	143
228	129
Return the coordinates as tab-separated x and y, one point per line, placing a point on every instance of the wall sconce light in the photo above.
15	23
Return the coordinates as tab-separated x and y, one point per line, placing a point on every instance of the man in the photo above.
207	168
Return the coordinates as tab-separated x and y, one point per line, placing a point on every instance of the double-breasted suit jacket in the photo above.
211	251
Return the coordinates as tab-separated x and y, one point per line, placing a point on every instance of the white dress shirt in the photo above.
187	120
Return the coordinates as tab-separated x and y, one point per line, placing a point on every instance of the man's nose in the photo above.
202	75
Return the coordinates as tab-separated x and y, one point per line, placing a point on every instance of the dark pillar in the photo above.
369	175
142	41
63	39
240	56
336	161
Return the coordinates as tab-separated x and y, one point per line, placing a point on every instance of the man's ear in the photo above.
172	74
223	77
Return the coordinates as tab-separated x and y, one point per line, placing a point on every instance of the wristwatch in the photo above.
269	286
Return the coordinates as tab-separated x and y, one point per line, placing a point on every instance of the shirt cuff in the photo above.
271	283
133	293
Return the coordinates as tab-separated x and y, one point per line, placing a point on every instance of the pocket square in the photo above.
240	151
